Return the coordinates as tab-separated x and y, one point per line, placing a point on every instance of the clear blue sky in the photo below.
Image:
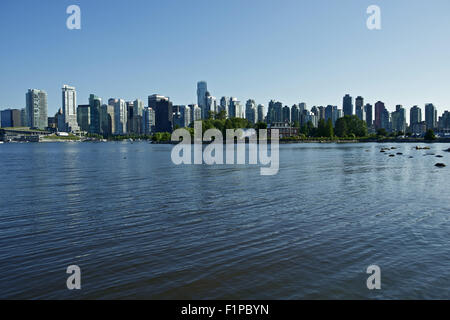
290	50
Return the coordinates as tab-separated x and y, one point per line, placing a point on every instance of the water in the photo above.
140	227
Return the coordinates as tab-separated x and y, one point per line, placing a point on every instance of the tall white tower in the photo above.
69	102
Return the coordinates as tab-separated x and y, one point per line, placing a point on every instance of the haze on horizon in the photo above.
290	50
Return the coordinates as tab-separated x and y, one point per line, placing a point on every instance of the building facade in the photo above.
36	102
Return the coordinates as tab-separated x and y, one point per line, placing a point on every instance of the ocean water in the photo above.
140	227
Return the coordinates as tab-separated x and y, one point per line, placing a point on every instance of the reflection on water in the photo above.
140	227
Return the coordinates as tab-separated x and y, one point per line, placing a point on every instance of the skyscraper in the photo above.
163	112
430	116
348	105
251	113
286	114
196	112
107	121
261	113
399	119
224	105
69	108
202	89
359	108
379	109
295	114
120	117
415	115
211	105
84	117
149	120
181	116
368	109
36	101
95	104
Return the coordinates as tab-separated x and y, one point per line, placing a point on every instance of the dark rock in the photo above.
439	156
392	155
399	153
440	165
448	150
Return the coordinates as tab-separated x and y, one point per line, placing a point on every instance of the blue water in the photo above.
140	227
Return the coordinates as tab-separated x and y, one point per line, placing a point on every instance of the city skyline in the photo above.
315	52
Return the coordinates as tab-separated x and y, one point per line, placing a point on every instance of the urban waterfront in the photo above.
140	227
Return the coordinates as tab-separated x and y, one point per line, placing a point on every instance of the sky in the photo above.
287	50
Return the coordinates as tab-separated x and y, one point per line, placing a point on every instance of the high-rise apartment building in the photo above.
69	108
36	102
95	104
415	115
202	89
163	112
431	116
348	105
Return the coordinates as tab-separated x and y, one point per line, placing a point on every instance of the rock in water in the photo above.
440	165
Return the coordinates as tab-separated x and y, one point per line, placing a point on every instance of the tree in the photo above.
341	129
261	125
222	115
429	135
329	131
381	132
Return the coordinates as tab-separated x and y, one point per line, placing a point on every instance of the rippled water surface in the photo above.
141	227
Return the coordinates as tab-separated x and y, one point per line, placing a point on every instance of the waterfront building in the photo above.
202	89
261	113
69	108
347	105
321	112
386	120
399	119
275	113
107	120
368	109
295	114
419	128
415	115
36	102
286	114
311	117
181	116
136	124
11	118
359	108
331	112
224	105
120	117
59	120
379	109
196	112
444	122
95	104
163	112
251	113
149	120
285	130
84	117
211	105
431	116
